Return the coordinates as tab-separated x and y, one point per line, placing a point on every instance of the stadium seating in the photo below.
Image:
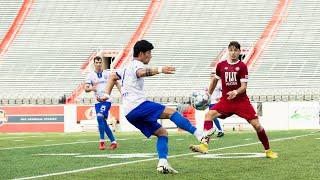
190	35
56	39
290	65
43	63
8	11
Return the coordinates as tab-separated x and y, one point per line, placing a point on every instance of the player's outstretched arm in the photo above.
213	84
89	88
113	78
155	70
240	90
118	86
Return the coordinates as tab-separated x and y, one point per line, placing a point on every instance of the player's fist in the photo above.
100	99
103	97
232	94
168	70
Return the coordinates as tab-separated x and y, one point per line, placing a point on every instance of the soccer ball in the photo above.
200	100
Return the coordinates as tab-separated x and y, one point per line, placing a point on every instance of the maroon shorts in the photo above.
241	107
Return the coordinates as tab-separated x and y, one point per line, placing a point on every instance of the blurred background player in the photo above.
234	77
96	81
215	97
144	114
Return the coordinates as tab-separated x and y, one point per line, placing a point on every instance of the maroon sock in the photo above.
264	139
208	124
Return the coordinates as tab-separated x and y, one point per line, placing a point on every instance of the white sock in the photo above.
198	133
162	161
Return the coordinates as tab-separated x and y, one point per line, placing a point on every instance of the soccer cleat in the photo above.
113	146
201	148
165	168
205	139
271	154
220	134
209	132
102	146
207	135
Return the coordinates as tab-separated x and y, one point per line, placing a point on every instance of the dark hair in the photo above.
141	46
234	44
98	58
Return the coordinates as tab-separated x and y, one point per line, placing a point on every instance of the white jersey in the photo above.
131	86
98	79
217	93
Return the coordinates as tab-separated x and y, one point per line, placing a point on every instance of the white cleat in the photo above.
165	168
209	132
207	135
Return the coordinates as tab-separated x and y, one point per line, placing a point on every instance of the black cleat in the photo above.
220	134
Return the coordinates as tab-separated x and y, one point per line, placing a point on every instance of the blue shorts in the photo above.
211	105
145	116
103	108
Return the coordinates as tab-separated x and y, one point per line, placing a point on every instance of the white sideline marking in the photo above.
151	159
232	155
119	156
20	137
60	144
112	156
18	140
82	140
46	145
40	135
62	154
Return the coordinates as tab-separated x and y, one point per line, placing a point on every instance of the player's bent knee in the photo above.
211	114
256	124
161	132
167	113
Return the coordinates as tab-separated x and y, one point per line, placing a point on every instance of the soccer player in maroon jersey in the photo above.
233	74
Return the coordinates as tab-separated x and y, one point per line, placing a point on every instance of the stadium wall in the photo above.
276	116
33	119
70	118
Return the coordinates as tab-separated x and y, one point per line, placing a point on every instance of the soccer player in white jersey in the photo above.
215	97
144	114
96	81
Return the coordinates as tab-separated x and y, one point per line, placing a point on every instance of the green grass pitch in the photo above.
76	156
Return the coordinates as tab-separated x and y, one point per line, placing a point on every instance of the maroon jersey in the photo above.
231	76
